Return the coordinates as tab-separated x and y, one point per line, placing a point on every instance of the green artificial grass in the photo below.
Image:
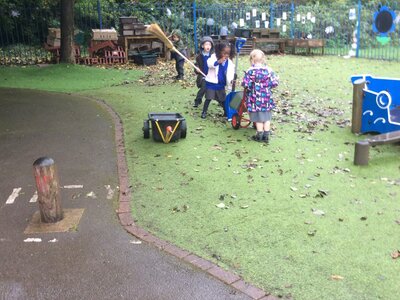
300	220
63	77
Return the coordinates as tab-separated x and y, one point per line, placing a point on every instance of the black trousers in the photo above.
179	62
201	84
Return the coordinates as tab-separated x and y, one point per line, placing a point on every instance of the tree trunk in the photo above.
67	31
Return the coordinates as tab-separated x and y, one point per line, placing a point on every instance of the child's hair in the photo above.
257	57
221	46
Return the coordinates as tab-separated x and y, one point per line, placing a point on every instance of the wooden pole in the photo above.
358	95
48	190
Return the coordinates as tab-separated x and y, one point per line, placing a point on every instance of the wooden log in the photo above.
361	153
48	190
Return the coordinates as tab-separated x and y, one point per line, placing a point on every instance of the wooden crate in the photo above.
53	42
128	20
265	33
141	32
128	32
104	35
128	26
55	33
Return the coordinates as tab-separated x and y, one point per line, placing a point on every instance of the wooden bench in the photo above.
305	44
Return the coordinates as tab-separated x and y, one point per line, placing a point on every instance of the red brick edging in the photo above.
127	222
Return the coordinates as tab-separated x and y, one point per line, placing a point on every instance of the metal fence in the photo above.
346	29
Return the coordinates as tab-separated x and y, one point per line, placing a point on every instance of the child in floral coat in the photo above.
258	82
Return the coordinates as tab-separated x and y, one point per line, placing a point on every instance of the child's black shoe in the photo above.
196	104
265	137
258	137
203	115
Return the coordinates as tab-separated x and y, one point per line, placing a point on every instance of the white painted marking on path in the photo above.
137	242
13	195
110	192
91	195
33	240
73	186
53	241
34	198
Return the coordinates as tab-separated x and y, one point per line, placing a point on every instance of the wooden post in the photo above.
361	153
48	190
358	95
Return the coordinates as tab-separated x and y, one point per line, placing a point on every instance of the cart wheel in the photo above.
183	129
146	129
235	121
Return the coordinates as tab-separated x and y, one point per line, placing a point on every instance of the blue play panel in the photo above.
381	104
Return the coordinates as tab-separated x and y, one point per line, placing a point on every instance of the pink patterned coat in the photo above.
258	82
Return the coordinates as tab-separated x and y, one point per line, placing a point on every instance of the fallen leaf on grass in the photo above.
318	212
321	193
395	254
397	222
337	277
363	218
216	147
184	208
244	206
221	205
293	188
312	232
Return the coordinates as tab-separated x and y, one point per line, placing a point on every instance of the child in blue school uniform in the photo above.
221	72
206	49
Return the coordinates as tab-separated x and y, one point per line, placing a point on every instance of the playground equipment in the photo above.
376	104
166	127
376	109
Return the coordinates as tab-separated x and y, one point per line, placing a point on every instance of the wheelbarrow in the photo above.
166	127
233	99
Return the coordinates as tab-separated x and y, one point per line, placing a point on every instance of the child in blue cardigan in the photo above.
221	72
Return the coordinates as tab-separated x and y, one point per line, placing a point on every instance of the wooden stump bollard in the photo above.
361	153
48	190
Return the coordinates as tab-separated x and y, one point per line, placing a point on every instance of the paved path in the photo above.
99	260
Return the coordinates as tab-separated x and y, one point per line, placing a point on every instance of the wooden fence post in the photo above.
358	95
48	190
